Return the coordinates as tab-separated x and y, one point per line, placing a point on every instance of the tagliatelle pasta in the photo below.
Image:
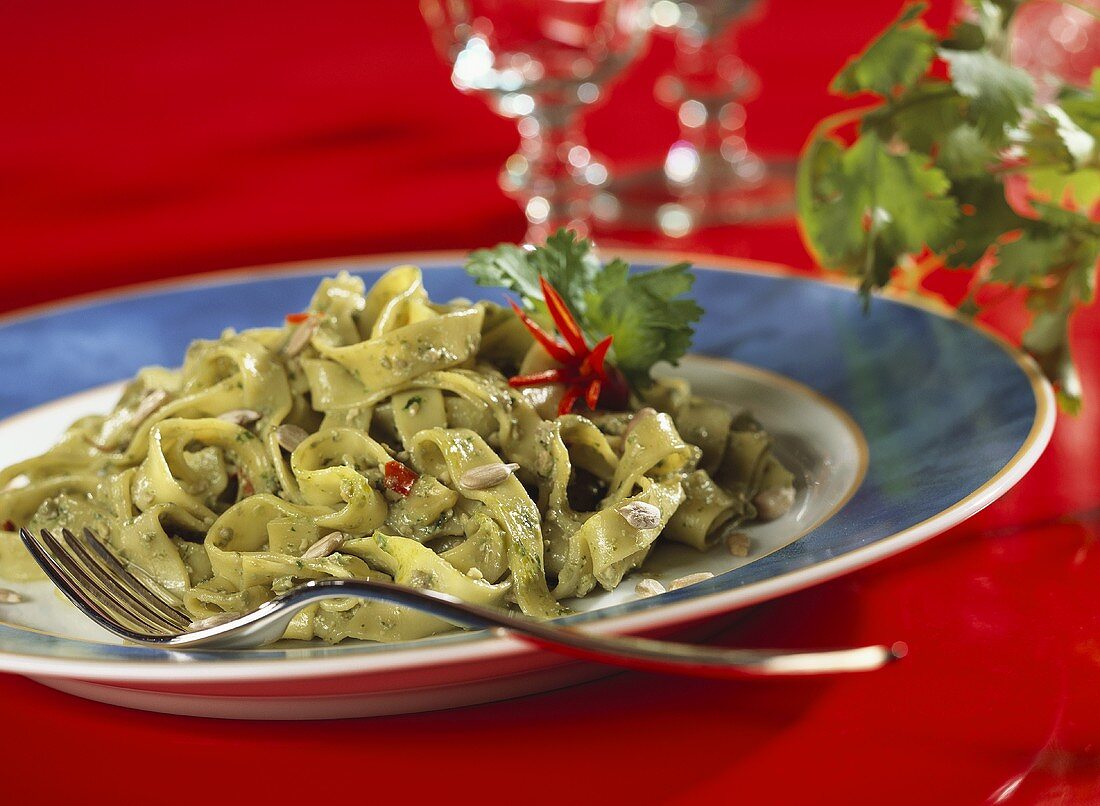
377	437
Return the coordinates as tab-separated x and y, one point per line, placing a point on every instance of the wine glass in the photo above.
713	175
1058	43
541	62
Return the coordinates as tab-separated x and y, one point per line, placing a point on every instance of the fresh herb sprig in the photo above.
958	165
645	313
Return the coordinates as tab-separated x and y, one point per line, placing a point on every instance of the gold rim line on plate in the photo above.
1042	426
738	369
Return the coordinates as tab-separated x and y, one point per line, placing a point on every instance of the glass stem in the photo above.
712	117
551	173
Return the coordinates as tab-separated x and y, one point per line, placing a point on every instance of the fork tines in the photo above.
101	585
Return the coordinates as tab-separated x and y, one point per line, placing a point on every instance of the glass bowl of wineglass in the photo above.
542	62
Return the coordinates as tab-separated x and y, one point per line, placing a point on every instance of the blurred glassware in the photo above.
541	62
710	175
1057	42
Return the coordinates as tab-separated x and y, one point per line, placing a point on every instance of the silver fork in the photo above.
113	596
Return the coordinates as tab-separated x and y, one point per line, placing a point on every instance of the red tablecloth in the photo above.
143	140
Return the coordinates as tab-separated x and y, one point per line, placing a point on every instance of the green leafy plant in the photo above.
646	313
956	164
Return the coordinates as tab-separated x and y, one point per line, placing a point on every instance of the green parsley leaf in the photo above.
1024	261
873	205
966	36
922	118
1046	335
1048	340
643	313
570	265
987	28
996	90
505	266
894	61
567	261
1083	105
1062	160
1054	139
970	167
984	216
1080	188
964	155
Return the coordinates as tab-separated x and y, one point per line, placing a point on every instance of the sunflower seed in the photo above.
212	621
16	483
773	502
649	587
640	515
480	478
148	405
10	596
290	436
301	337
738	544
690	579
325	546
240	416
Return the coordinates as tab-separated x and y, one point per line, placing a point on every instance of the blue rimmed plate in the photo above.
899	423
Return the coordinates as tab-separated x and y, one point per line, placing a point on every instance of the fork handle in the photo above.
645	654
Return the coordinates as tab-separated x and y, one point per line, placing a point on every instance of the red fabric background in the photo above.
142	140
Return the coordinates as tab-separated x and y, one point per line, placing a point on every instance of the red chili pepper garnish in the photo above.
592	395
542	378
559	352
569	399
584	371
297	318
8	526
595	360
563	319
399	478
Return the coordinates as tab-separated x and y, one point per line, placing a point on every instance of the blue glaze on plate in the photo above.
943	407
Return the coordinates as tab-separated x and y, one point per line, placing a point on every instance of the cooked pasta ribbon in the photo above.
202	480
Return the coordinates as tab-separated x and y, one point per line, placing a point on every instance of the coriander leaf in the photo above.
922	116
985	215
1083	105
1048	340
1078	189
643	314
1053	138
1085	259
966	36
871	205
570	265
968	166
505	266
1047	333
1062	161
565	260
896	59
1026	260
989	19
1079	221
963	153
997	91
